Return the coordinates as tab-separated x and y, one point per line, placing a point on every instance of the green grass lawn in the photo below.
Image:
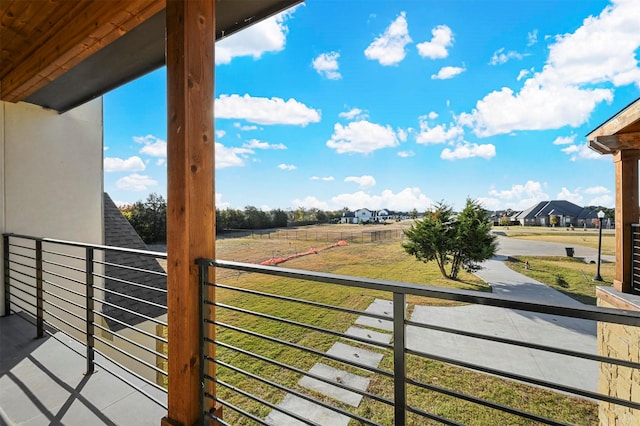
568	275
382	261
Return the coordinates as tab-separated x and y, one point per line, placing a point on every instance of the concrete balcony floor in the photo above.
42	382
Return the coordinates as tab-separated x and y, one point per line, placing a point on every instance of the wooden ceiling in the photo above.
60	53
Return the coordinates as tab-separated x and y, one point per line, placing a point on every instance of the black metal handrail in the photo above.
66	286
234	395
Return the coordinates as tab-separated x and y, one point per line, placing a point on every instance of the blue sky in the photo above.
399	104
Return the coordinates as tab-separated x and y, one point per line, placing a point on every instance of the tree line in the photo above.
149	218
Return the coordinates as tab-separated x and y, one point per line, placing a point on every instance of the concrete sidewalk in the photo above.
552	330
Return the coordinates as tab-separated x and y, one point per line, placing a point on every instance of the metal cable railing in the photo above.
269	331
111	300
635	253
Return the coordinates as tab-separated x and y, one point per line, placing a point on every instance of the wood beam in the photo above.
627	212
64	43
619	122
612	143
190	194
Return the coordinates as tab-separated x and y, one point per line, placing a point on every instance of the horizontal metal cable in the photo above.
306	302
302	348
296	393
520	343
131	327
233	407
305	373
133	342
303	325
24	309
77	305
130	371
64	266
11	253
22	247
57	253
139	389
119	280
131	268
481	401
526	379
65	322
468	296
126	296
263	402
68	290
17	271
431	416
148	318
64	277
15	287
131	356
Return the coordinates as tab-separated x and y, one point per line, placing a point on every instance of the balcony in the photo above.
283	346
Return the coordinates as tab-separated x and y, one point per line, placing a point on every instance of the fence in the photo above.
318	235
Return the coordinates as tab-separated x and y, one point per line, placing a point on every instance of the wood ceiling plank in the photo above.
624	121
84	32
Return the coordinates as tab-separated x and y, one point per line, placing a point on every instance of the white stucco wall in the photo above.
52	172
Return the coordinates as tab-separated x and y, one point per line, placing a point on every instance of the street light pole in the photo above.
600	218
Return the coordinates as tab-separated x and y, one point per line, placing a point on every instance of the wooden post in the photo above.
190	193
626	166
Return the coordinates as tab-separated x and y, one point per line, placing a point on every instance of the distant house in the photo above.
567	214
364	215
368	215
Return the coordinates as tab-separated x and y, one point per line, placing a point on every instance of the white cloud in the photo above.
437	134
564	140
469	150
324	178
326	64
230	157
220	134
135	182
583	152
573	81
354	113
405	200
269	35
361	137
221	204
364	182
402	134
597	190
161	161
286	166
432	115
131	164
244	128
446	73
602	200
574	197
406	154
265	111
500	57
518	197
389	47
256	144
153	146
532	37
437	47
522	74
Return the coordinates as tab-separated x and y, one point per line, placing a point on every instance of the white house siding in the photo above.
51	167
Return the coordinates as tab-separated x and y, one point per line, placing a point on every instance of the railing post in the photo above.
89	310
39	294
7	278
203	277
399	362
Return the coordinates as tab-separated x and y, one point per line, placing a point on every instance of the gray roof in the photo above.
148	273
558	208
